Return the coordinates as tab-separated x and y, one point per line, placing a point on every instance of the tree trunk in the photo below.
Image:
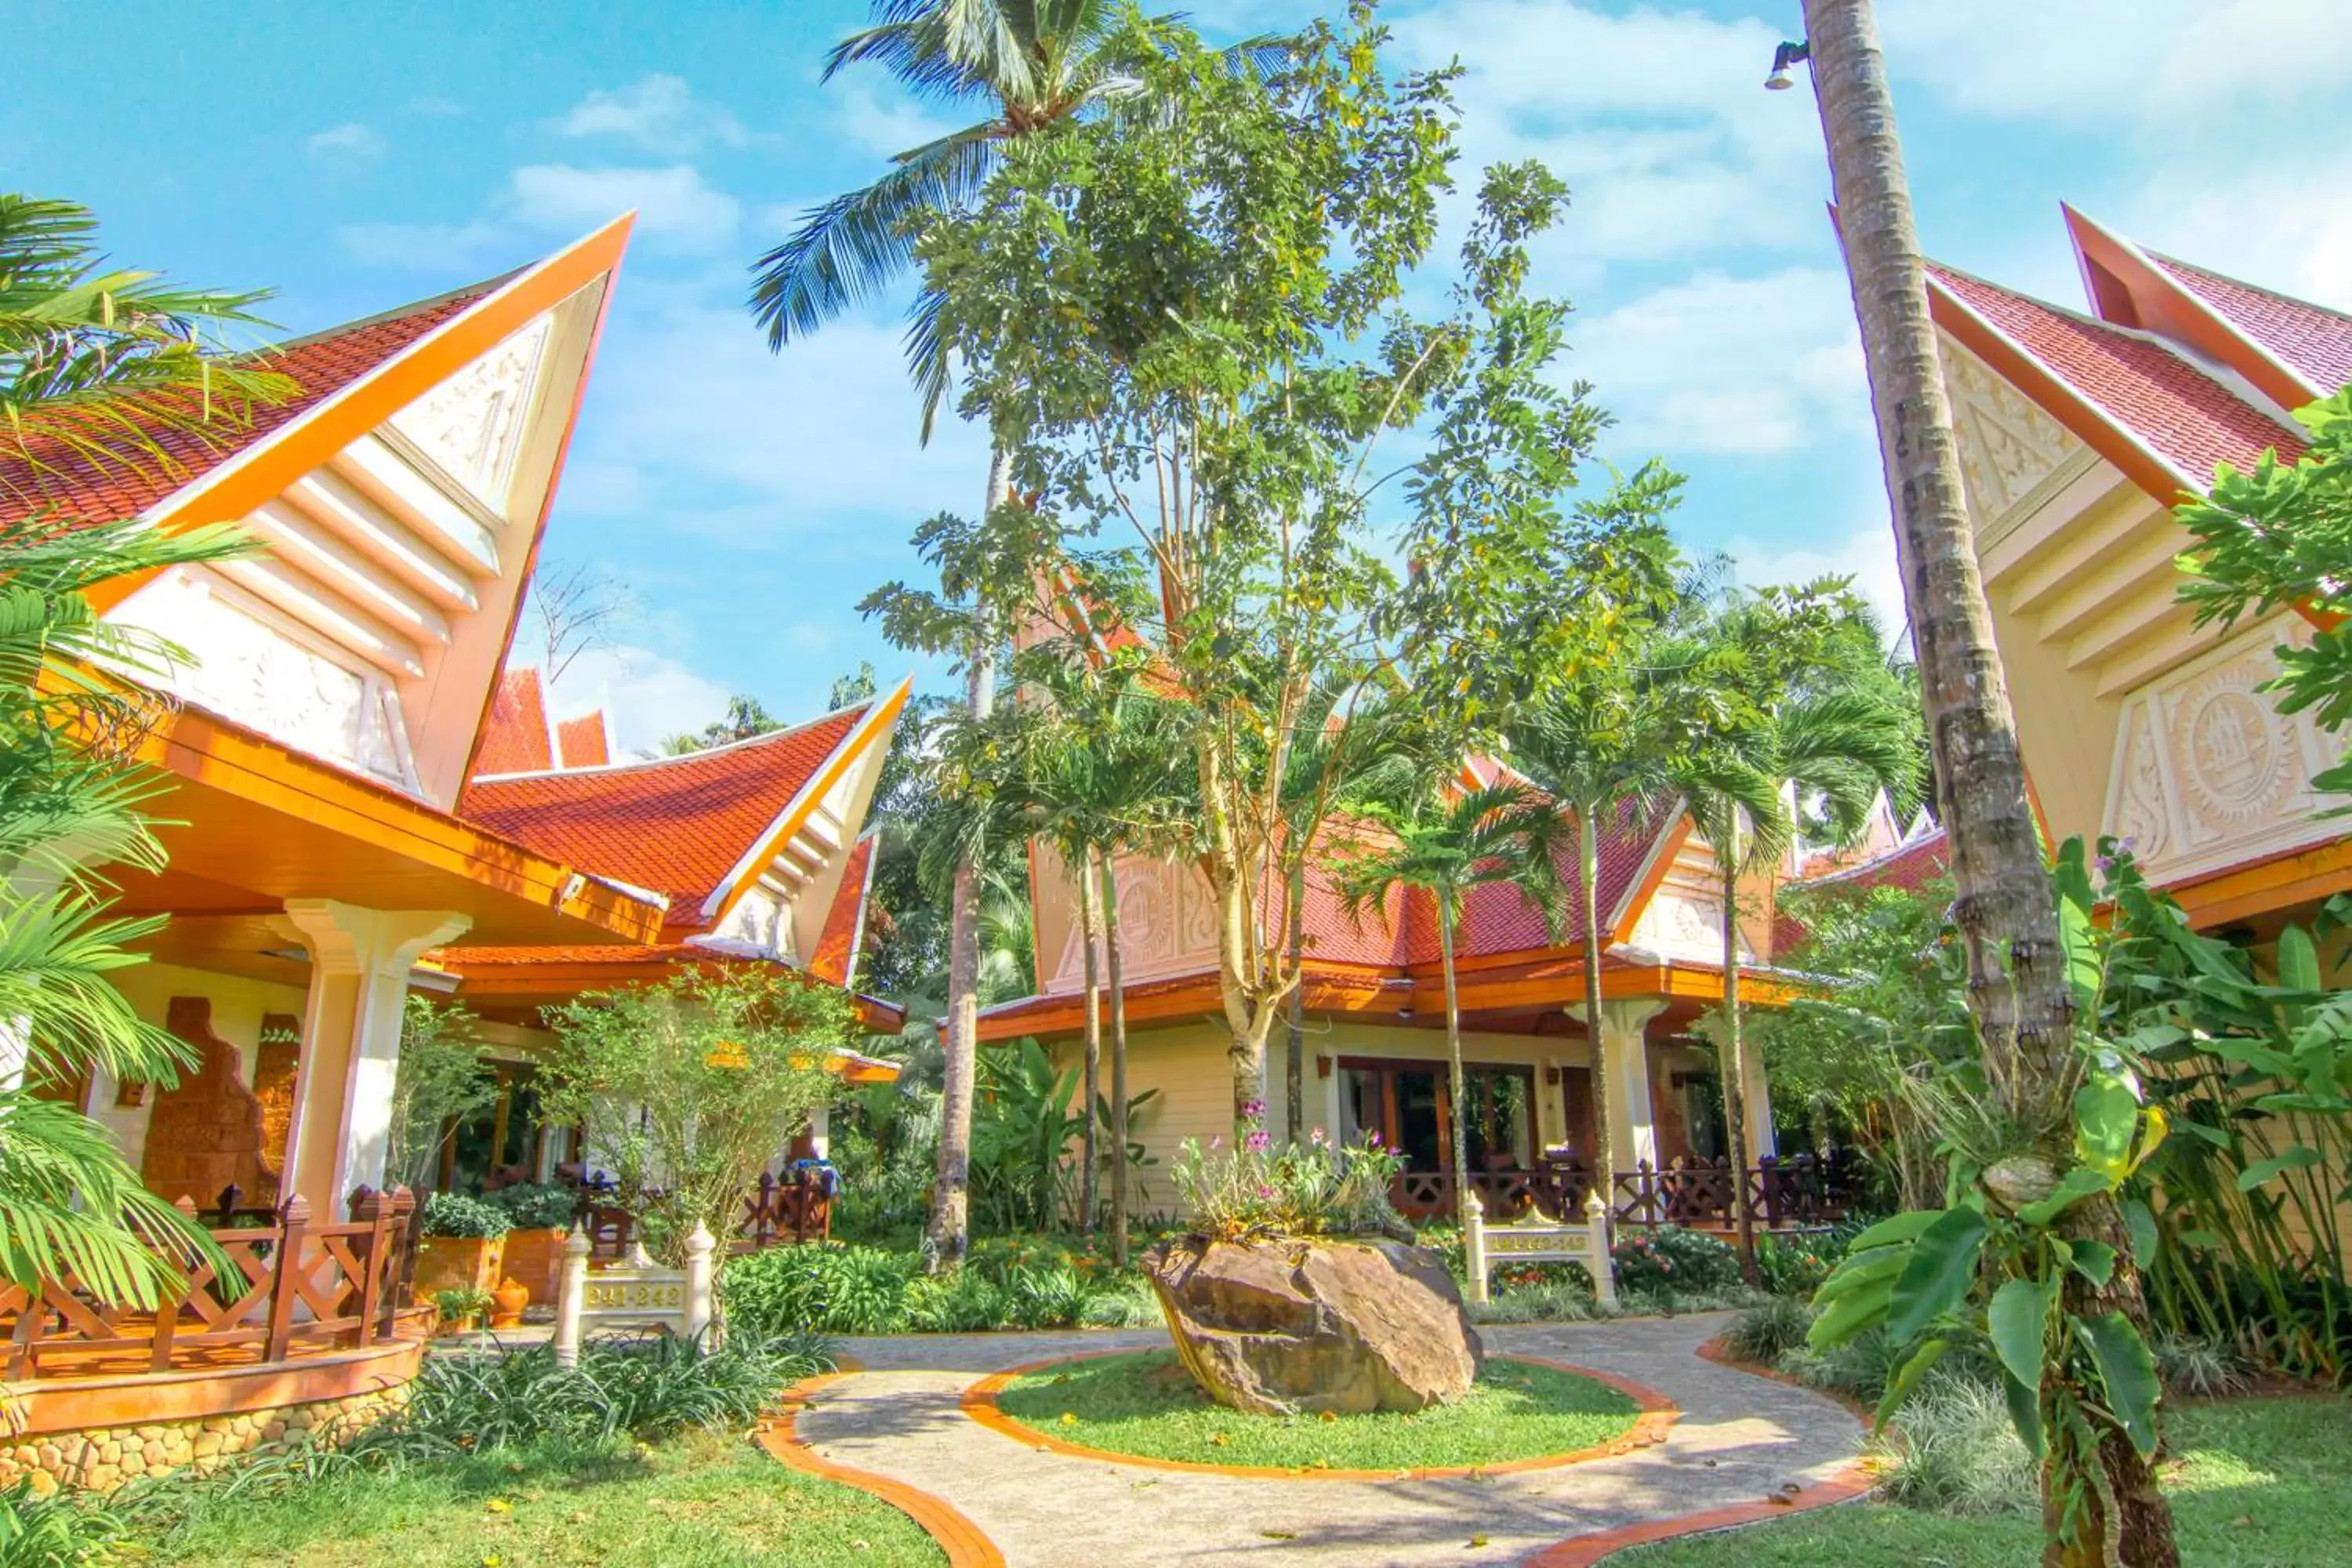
1734	1056
950	1233
1453	1079
1118	1064
1603	1152
1293	1057
1090	926
2004	910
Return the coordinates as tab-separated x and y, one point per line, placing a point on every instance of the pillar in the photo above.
1622	1047
360	961
1761	1141
820	1129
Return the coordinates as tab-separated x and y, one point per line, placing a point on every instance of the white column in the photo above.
821	1132
1621	1046
1761	1141
360	961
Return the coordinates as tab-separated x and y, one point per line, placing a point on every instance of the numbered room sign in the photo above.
1532	1238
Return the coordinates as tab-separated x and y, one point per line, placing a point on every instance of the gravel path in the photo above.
1739	1439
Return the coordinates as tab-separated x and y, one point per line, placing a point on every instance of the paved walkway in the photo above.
1740	1437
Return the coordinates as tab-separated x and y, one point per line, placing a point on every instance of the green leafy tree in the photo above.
1191	340
2281	537
1446	843
689	1088
443	1077
746	719
99	367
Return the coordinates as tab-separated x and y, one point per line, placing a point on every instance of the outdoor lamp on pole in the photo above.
1787	55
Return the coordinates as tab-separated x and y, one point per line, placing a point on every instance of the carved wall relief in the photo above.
2008	444
472	424
2207	772
1168	925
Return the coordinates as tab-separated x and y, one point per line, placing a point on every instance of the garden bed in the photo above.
1144	1406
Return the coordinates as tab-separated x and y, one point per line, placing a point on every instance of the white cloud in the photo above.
692	398
1719	364
346	146
1657	120
860	112
645	696
672	202
1866	555
658	113
676	209
2172	65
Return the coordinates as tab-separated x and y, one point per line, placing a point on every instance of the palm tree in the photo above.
1599	751
2005	908
1033	63
746	718
1443	845
98	368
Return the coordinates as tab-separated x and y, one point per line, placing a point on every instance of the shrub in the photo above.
1254	1192
460	1302
1050	1298
966	1302
1762	1335
1127	1302
2196	1367
1670	1260
1793	1267
59	1530
1955	1450
534	1205
829	1289
1570	1303
455	1214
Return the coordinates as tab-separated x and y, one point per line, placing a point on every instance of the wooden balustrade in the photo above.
1786	1194
778	1211
290	1288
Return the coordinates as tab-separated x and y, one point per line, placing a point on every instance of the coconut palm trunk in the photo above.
1734	1059
949	1235
1118	1064
1457	1085
1090	928
2005	909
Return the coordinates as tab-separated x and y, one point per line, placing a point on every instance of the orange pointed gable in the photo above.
319	366
583	741
677	825
835	958
2312	340
514	740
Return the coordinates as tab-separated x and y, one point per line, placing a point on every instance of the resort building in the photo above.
2079	430
358	804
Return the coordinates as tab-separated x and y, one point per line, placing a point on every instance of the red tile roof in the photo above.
320	366
2186	417
677	825
583	741
514	736
2313	341
845	923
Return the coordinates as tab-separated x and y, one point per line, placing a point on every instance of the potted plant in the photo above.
541	1216
463	1245
461	1307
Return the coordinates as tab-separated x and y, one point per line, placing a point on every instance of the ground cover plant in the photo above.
1146	1404
2254	1483
1009	1282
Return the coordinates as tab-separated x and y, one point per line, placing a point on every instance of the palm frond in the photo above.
72	1210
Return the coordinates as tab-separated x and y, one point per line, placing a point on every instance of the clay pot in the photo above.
510	1299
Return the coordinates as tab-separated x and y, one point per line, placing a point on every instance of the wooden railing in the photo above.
778	1211
1786	1194
291	1289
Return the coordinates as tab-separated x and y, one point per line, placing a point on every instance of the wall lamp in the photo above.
1787	55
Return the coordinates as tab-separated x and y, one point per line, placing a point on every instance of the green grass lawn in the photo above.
716	1502
2254	1483
1146	1405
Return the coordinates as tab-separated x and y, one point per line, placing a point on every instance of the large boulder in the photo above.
1278	1328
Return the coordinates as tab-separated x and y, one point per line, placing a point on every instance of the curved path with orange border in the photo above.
1738	1441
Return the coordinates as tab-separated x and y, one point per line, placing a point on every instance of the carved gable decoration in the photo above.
2207	774
2008	444
472	424
1168	925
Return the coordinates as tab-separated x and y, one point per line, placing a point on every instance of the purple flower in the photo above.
1264	1191
1316	1137
1254	1112
1259	1140
1216	1142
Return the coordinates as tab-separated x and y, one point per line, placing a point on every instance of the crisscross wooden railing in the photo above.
290	1288
1786	1194
779	1211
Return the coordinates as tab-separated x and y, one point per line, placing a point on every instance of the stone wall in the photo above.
106	1457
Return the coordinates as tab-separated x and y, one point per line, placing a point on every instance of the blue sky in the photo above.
358	157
